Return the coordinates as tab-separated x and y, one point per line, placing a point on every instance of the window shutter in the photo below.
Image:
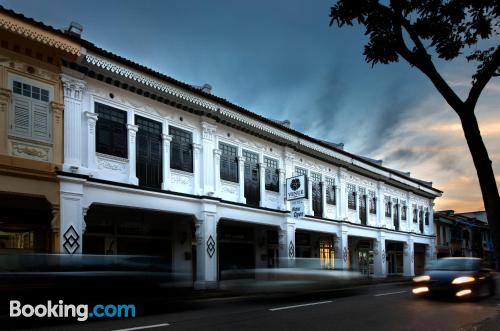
41	121
21	117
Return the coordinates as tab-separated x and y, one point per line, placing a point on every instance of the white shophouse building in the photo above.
155	166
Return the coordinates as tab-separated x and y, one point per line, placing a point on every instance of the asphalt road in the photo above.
378	307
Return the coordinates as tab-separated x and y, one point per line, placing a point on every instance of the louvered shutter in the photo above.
21	117
40	121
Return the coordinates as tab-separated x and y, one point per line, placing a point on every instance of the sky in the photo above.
281	59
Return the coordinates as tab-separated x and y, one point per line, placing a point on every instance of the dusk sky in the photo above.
281	59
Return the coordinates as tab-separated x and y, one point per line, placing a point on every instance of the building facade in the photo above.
463	234
31	133
154	166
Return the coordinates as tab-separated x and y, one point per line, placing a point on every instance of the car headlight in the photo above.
462	280
422	278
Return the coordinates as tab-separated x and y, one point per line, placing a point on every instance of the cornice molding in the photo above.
39	35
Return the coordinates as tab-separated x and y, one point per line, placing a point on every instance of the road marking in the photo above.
144	327
382	294
298	306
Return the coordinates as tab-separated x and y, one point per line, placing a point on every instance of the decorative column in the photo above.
286	237
341	250
206	248
380	201
379	258
431	219
342	197
409	213
357	198
367	209
217	154
166	140
409	258
398	208
91	124
309	210
71	216
282	182
132	131
337	201
262	185
57	131
207	142
323	198
241	178
73	108
5	97
196	168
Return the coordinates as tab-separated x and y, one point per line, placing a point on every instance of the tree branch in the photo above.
483	78
422	62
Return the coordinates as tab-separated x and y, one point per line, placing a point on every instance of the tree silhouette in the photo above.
419	30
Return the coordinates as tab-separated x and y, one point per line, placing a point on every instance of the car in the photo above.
459	277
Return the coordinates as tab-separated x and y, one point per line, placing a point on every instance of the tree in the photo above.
417	31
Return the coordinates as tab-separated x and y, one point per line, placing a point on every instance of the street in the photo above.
378	307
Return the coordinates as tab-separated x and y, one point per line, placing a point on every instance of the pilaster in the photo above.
206	248
132	131
196	168
241	178
287	246
323	198
5	98
216	184
282	179
73	109
409	258
91	138
57	131
262	183
341	249
166	140
379	257
208	131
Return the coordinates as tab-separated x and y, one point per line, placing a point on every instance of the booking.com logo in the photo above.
62	310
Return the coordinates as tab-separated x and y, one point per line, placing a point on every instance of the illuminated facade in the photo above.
155	166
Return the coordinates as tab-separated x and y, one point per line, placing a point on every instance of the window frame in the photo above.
372	203
114	126
351	196
44	106
330	184
181	165
224	157
271	164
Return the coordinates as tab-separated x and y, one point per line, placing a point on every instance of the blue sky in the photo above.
282	60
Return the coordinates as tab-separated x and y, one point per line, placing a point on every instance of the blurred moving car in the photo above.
303	275
456	276
25	271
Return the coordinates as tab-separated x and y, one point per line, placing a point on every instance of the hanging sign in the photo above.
297	208
296	188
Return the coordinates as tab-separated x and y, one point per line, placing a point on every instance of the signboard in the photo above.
296	188
297	208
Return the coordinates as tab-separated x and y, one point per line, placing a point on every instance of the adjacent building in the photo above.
31	132
463	234
156	166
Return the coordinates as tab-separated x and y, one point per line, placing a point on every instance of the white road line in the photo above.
144	327
298	306
382	294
